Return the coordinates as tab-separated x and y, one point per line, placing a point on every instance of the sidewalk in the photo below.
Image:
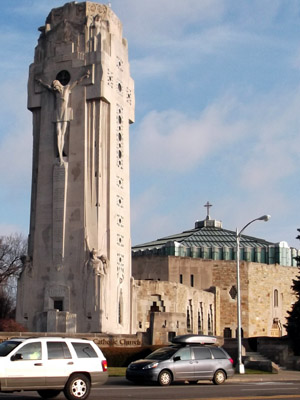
283	375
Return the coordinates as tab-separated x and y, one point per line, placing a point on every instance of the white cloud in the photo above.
149	66
172	141
156	18
249	146
274	155
176	142
31	8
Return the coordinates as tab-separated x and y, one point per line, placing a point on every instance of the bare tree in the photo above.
12	248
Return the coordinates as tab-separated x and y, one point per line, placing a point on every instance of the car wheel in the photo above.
77	387
48	394
219	377
164	378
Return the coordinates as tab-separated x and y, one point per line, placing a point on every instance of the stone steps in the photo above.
254	355
255	360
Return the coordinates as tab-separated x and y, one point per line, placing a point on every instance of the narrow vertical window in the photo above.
192	280
275	298
211	319
188	319
180	278
120	309
200	319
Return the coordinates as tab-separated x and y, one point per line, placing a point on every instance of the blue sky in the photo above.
217	85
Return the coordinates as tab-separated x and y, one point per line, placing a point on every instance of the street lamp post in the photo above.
240	365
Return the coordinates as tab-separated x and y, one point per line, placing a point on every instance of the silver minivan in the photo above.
191	358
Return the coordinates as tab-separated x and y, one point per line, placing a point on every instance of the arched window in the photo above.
189	317
210	321
200	319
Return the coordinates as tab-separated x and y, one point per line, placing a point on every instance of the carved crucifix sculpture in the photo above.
62	94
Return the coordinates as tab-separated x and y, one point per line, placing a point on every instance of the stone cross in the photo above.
207	205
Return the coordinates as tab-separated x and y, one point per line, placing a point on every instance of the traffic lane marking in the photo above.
287	396
267	389
238	397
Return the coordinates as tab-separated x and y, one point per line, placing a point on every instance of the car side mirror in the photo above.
17	357
177	358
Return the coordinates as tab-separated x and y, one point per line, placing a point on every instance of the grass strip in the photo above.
256	372
116	371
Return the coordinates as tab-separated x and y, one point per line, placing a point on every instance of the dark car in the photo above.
190	359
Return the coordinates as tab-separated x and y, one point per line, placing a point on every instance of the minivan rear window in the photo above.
217	353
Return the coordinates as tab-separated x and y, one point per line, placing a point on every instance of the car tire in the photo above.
165	378
78	387
219	377
48	393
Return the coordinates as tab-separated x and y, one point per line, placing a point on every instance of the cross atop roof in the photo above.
207	205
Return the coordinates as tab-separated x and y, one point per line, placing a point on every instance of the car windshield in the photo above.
162	354
7	346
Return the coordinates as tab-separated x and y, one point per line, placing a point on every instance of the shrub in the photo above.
122	356
10	325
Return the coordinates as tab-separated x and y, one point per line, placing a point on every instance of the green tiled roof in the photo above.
205	236
208	240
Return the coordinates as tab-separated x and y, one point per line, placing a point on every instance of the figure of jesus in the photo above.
62	94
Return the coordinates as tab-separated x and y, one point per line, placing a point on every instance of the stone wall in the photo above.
171	301
268	310
261	316
191	270
266	293
150	267
102	340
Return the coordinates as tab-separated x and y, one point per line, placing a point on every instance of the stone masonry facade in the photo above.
165	309
266	293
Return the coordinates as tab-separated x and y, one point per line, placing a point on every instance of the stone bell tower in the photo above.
76	277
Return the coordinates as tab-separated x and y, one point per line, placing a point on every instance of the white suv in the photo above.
50	365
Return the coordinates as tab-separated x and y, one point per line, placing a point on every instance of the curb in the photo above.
281	376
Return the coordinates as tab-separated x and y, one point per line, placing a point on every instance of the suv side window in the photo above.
217	352
184	354
201	353
84	350
30	351
58	350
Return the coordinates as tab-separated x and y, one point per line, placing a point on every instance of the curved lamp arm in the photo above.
262	218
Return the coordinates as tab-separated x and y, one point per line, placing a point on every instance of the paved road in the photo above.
119	388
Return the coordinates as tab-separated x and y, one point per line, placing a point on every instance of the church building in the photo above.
186	282
81	272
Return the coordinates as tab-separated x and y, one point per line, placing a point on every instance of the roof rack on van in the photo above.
194	339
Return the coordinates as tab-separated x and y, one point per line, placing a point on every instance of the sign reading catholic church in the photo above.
76	277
